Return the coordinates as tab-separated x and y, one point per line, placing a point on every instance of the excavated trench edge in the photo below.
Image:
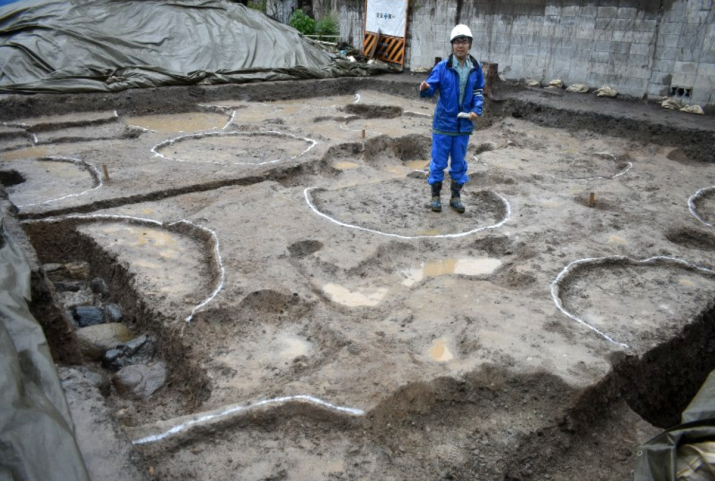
61	242
578	264
507	207
182	226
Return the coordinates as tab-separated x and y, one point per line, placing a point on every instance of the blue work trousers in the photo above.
443	148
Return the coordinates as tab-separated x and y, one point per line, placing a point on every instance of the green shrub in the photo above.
327	26
301	22
259	5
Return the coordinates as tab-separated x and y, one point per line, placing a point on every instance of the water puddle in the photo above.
416	164
27	153
464	266
440	352
614	239
397	170
288	347
365	297
186	122
430	232
154	237
345	165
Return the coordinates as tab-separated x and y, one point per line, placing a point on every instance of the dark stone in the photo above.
99	287
67	286
113	313
88	316
140	381
139	350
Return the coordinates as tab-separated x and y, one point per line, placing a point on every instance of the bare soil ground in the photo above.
320	323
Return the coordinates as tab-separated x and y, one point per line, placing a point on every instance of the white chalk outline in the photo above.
199	135
236	409
555	285
93	173
156	223
691	204
306	194
230	120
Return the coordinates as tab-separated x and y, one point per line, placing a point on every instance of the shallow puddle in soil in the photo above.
464	266
27	153
416	164
345	165
364	297
440	352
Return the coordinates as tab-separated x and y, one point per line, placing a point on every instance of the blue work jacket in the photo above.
446	79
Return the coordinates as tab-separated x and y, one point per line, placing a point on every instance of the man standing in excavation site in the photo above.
460	82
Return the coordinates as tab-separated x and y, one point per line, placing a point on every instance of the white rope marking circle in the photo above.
236	409
199	135
507	206
555	285
93	172
155	223
691	204
230	120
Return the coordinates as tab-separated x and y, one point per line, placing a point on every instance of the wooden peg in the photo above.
363	133
592	200
106	173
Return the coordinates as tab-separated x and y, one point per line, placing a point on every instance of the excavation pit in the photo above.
317	320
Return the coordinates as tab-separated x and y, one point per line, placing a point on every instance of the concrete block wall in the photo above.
642	48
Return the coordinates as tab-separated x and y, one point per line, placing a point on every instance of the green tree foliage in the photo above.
259	5
301	22
327	26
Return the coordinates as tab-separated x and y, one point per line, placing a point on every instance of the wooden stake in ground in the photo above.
363	133
592	200
106	173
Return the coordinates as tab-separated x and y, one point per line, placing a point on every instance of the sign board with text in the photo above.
385	30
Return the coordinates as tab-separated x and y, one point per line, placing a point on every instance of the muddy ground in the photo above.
320	323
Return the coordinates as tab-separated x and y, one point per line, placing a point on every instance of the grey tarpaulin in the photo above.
112	45
36	434
657	459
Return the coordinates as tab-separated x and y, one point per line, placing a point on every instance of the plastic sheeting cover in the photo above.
660	458
113	45
36	434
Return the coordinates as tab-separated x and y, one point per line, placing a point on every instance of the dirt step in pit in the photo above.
454	374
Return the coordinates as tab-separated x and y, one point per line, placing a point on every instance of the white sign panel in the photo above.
389	17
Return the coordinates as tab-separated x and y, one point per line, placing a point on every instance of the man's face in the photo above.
460	48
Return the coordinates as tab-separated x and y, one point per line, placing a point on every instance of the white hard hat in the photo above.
460	30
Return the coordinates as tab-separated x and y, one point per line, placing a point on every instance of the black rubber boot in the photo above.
435	204
456	202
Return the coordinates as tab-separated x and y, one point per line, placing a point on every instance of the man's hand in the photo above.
473	116
424	86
